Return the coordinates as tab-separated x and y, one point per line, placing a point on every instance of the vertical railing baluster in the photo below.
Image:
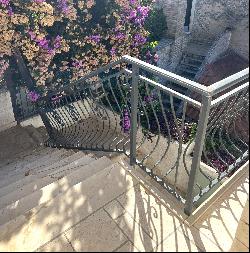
198	149
134	110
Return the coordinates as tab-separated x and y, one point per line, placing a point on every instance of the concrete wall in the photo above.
7	119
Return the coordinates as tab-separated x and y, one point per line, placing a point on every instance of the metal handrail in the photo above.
214	114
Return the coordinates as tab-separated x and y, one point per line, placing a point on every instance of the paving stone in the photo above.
97	233
127	247
158	221
114	209
59	244
238	247
177	242
135	233
220	223
48	221
242	233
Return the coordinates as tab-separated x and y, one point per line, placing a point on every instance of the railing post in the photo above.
134	110
198	149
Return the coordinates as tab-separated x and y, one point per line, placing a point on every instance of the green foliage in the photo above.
156	24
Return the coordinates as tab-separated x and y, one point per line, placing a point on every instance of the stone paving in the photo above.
137	221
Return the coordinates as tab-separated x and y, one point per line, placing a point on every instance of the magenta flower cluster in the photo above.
126	123
33	96
6	4
77	64
45	43
139	15
139	40
63	6
95	38
152	58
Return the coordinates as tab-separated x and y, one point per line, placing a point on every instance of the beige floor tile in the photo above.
114	209
222	218
158	221
60	244
243	233
177	242
200	240
64	211
127	247
97	233
238	247
135	233
245	214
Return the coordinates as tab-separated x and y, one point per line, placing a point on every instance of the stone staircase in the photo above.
191	61
44	191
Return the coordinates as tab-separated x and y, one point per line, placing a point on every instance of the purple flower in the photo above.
156	58
63	6
132	14
10	11
5	3
133	2
95	38
43	43
143	11
77	64
120	36
113	51
33	96
139	40
148	99
126	124
58	42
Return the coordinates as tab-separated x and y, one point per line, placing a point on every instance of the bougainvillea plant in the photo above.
63	40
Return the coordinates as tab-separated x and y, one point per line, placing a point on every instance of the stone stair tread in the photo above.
189	66
36	165
59	185
21	155
13	140
183	69
49	220
24	160
17	185
16	168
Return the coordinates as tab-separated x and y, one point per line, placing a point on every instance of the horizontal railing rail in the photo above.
187	143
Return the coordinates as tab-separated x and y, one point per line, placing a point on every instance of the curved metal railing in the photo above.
123	107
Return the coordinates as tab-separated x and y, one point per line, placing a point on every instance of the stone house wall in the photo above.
209	21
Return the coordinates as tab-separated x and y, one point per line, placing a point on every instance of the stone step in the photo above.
189	66
49	220
14	140
60	186
42	162
183	69
30	181
24	160
22	157
198	58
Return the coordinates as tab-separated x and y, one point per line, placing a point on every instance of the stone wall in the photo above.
211	18
240	39
7	119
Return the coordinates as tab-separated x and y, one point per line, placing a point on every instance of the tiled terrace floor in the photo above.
137	221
